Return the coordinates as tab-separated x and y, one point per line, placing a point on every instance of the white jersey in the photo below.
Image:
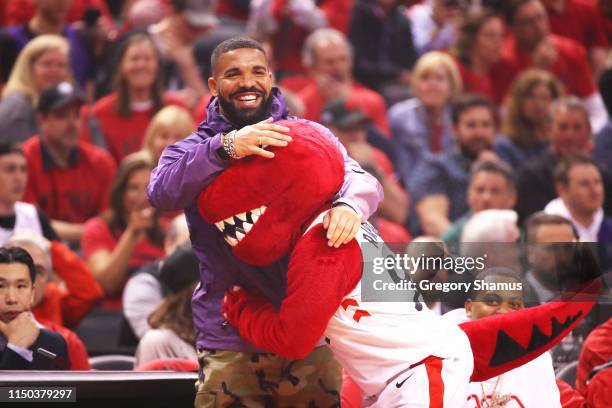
531	385
26	218
377	341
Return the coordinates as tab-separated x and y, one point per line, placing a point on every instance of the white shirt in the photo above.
585	233
531	385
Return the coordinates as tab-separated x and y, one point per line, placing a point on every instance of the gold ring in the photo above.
260	142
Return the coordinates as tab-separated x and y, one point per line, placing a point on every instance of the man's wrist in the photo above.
228	143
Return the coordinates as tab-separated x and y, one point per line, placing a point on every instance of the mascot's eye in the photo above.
236	227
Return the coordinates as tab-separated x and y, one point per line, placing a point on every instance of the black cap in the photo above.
339	115
180	268
57	96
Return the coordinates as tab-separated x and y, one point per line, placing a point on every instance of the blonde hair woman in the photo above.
526	120
167	127
42	62
423	123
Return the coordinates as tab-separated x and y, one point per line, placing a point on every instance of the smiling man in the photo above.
240	123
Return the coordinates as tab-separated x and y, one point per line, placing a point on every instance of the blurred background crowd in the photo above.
477	117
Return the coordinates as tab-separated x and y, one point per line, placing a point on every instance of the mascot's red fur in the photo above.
268	208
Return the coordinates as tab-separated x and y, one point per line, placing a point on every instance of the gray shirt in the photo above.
17	118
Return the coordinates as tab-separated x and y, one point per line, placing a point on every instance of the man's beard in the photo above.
244	117
473	149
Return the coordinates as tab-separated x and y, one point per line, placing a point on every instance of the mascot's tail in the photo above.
501	343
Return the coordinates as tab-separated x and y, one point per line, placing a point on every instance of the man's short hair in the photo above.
232	44
494	166
468	101
570	102
14	255
10	148
26	237
540	218
316	37
564	167
495	271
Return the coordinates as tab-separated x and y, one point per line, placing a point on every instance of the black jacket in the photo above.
46	343
382	44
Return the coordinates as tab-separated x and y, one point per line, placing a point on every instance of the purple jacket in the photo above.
188	166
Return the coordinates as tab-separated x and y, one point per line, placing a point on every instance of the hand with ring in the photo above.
250	139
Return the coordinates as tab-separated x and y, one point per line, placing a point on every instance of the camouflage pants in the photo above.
229	379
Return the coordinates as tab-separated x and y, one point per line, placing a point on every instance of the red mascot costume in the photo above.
399	353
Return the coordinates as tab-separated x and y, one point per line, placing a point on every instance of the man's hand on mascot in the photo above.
253	138
342	224
236	300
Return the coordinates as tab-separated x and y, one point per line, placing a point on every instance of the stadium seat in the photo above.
113	362
567	373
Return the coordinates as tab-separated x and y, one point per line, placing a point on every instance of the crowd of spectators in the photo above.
456	107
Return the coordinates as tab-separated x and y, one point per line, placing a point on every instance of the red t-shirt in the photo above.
474	82
98	236
604	20
570	398
296	83
596	350
228	9
21	11
368	101
124	134
67	306
289	38
579	21
571	67
72	194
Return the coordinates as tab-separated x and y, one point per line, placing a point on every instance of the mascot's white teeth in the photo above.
236	227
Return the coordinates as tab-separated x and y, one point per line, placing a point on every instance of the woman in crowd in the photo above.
423	123
168	126
172	334
42	63
527	116
477	50
123	116
127	235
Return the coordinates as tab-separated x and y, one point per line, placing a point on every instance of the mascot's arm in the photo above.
503	342
317	280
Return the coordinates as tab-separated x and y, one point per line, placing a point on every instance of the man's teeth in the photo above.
247	98
236	227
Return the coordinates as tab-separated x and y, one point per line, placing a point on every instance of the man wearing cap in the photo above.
68	179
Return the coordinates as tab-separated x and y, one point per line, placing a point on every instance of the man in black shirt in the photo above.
24	344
